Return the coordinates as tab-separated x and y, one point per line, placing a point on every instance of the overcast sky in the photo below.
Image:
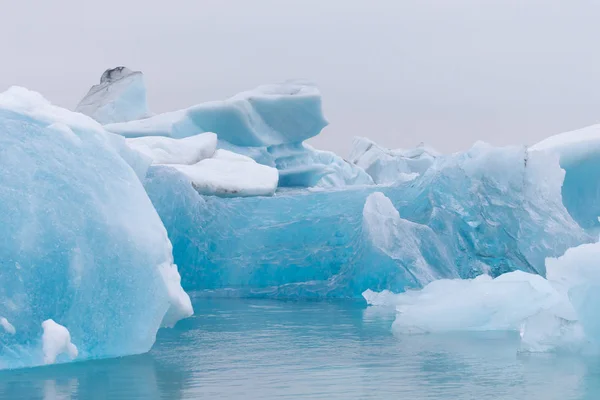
446	72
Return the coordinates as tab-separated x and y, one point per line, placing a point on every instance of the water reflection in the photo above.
262	349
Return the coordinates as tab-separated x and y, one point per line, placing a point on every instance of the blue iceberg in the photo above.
268	124
487	210
87	267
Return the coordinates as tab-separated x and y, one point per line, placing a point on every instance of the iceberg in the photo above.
119	97
482	303
267	124
390	166
576	273
556	312
488	210
81	244
579	153
266	116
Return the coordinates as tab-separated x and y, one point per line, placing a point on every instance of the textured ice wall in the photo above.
80	242
486	210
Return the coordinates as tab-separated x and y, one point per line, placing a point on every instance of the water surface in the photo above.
249	349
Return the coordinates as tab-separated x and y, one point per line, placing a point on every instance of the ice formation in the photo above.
56	341
390	166
577	274
230	175
482	303
119	97
187	151
266	116
267	124
554	313
486	210
579	153
81	242
209	171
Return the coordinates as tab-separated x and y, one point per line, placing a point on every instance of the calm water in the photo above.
250	349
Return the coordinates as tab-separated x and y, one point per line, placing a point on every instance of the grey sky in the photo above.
446	72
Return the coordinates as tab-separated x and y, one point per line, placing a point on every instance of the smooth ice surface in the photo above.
80	240
579	153
268	115
260	349
119	97
164	150
387	166
230	175
56	341
577	273
490	210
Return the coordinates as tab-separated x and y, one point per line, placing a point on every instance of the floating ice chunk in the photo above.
56	340
577	273
164	150
7	326
119	97
268	115
390	166
228	175
483	303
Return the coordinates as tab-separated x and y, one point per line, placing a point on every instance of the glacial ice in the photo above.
230	175
391	166
187	151
577	274
579	153
119	97
81	242
267	124
56	340
482	303
559	312
488	210
268	115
